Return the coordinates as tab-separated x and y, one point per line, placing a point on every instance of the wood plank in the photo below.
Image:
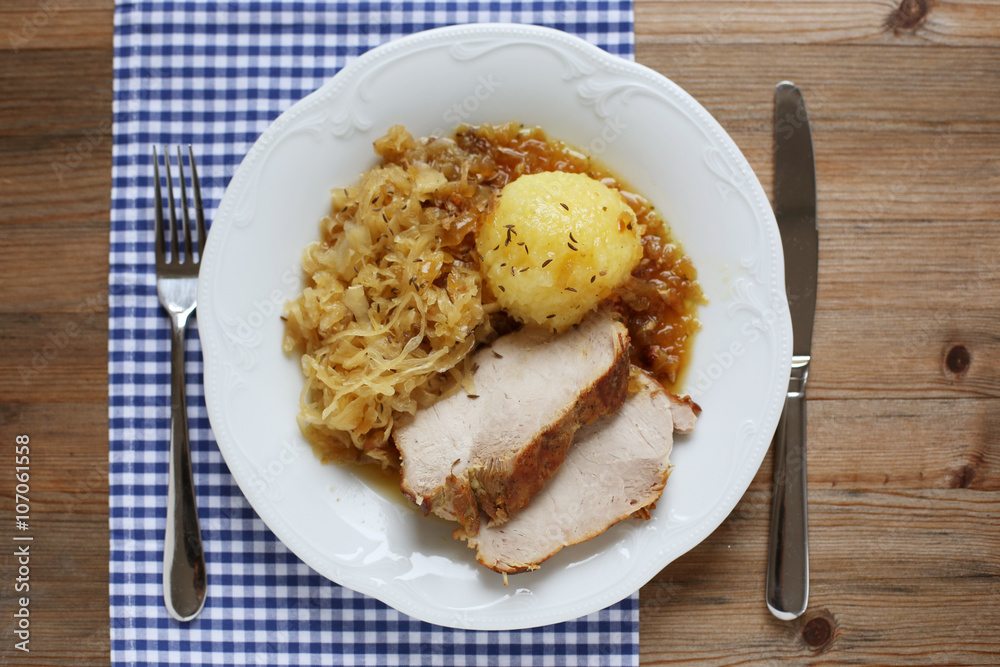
876	89
69	593
917	176
920	265
902	353
33	25
58	178
54	357
45	275
69	524
854	22
55	124
894	575
934	160
45	93
69	451
33	31
898	444
889	295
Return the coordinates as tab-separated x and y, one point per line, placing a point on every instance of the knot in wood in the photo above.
908	16
958	359
817	632
963	477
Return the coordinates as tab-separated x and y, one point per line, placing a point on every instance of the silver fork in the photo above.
184	579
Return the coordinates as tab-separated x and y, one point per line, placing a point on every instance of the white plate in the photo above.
645	129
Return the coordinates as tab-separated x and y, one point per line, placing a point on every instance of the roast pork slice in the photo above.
616	467
493	451
684	412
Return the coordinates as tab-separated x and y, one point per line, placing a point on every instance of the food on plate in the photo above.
616	467
489	452
555	244
472	304
392	305
684	412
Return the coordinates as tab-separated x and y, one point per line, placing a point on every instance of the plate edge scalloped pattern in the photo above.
780	346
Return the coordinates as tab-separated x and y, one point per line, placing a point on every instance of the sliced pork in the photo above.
684	412
493	451
616	467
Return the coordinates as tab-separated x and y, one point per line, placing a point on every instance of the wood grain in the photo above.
44	95
902	444
60	284
58	25
55	147
853	23
894	585
858	90
69	521
904	462
57	179
903	451
51	357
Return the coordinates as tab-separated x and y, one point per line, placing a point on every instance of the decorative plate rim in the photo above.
644	81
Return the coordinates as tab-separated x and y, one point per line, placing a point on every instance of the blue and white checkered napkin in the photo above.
214	75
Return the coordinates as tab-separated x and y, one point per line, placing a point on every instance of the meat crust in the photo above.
617	467
492	453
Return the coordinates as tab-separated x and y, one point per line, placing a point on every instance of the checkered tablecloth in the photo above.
214	75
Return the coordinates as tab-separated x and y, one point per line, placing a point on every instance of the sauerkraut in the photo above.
393	301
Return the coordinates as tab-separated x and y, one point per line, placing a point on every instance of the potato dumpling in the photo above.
555	244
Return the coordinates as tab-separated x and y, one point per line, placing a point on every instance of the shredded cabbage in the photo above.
390	312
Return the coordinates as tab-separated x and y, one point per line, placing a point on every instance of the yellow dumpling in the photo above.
556	244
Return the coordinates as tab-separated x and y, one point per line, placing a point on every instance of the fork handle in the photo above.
184	578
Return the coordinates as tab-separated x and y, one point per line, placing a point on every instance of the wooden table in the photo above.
904	451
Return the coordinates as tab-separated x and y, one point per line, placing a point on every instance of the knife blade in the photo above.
787	588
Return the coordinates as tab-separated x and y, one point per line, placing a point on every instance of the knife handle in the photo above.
788	547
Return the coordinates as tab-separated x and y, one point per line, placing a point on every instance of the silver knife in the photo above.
795	209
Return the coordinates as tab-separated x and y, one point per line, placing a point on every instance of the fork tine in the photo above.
158	216
174	250
199	211
188	257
